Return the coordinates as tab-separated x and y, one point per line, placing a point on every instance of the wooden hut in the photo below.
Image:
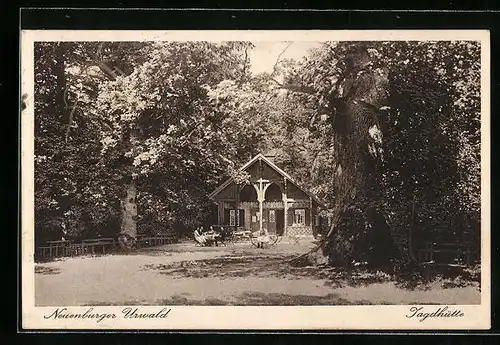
271	201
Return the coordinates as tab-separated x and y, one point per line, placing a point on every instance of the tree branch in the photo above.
191	133
294	88
279	56
107	124
226	159
71	114
65	95
70	122
244	66
105	68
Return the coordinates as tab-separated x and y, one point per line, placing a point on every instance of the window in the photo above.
232	217
272	216
300	217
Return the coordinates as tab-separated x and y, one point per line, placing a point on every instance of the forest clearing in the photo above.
239	274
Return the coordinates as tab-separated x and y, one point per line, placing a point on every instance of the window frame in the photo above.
299	218
273	218
232	217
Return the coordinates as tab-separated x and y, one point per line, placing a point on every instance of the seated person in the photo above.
215	235
199	237
262	238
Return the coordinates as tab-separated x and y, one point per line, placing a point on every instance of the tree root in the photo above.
314	257
127	242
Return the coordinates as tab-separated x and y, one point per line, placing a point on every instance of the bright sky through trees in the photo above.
264	55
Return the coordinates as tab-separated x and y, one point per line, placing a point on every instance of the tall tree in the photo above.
389	115
73	196
118	118
164	124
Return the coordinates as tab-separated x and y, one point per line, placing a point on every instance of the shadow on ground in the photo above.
46	270
247	299
277	265
260	299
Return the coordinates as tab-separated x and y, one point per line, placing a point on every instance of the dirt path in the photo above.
182	274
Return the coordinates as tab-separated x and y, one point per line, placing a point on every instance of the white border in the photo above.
270	317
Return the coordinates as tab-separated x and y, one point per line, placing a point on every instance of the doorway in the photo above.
280	222
271	224
275	221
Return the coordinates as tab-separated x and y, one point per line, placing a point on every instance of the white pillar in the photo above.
285	219
261	199
285	206
311	218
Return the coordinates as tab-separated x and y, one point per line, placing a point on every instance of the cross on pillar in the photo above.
261	191
285	207
261	200
261	196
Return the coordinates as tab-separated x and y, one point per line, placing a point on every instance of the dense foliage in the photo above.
156	125
400	122
132	137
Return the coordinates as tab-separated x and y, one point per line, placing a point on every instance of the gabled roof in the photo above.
272	165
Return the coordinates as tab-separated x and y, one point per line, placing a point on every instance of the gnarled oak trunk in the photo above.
129	217
359	232
128	202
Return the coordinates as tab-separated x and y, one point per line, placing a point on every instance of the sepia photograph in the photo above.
257	169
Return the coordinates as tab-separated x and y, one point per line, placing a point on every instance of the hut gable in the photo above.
227	193
253	171
259	167
270	173
296	193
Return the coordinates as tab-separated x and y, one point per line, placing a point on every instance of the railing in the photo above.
94	246
58	248
158	240
66	248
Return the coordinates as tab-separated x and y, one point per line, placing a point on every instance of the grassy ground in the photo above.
239	274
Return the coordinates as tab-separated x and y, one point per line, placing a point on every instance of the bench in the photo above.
101	243
57	248
75	249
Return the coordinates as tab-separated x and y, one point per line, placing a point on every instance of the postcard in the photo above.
255	180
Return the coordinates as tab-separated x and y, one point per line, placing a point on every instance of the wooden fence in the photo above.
66	248
448	253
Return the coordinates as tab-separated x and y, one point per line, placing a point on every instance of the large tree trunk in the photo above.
128	202
129	210
359	231
128	232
